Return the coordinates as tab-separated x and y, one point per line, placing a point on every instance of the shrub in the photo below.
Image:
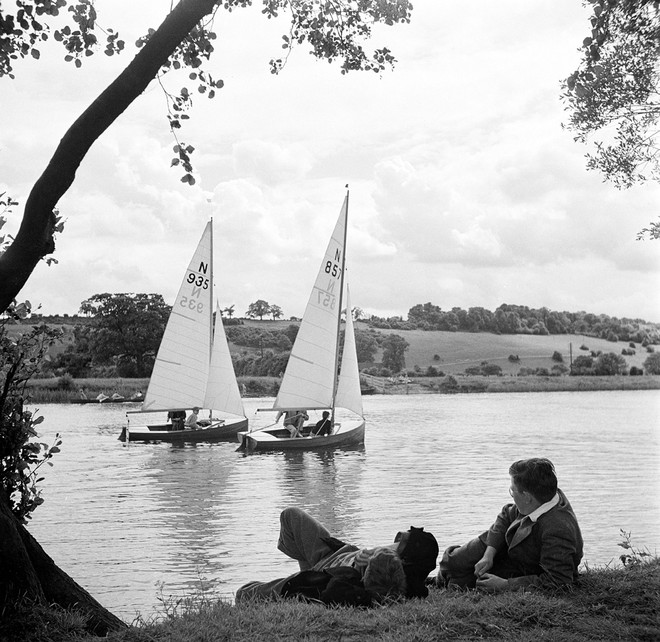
449	384
436	357
652	364
491	369
514	358
583	347
556	356
66	382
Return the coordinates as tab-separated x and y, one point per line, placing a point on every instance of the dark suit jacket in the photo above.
546	552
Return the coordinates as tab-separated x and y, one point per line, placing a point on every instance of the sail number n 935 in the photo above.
198	280
199	283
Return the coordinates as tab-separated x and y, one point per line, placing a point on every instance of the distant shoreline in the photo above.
54	391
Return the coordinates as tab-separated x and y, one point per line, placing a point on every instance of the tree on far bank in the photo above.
259	308
334	31
652	363
275	311
394	348
610	363
128	328
366	346
612	97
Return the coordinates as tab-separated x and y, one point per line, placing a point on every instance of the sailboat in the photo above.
193	367
314	379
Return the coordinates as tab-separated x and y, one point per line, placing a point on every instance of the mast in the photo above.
211	308
341	299
211	304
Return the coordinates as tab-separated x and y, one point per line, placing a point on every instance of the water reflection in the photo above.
325	483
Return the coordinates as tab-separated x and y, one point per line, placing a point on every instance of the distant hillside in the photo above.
458	350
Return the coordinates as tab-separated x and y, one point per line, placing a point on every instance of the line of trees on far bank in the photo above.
520	319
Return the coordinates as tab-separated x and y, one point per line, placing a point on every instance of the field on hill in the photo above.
459	350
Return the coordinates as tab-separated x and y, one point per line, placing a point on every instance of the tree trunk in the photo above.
26	571
35	236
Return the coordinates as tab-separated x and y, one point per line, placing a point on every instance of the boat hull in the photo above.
214	432
349	433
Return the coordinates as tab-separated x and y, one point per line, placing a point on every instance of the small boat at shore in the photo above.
314	378
193	368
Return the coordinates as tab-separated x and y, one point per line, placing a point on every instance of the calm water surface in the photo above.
134	523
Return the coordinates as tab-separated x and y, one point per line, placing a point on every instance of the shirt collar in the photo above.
544	508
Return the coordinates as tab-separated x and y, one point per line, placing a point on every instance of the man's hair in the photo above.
384	576
536	476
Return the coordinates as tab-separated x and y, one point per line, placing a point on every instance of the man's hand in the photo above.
491	583
482	566
486	562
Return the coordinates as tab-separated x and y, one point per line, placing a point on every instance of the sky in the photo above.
464	188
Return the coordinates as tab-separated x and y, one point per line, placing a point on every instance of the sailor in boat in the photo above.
191	422
323	427
177	418
293	421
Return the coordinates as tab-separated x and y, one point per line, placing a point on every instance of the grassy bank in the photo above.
67	390
608	604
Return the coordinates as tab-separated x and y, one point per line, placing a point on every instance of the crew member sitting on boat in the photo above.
178	418
323	427
293	420
191	422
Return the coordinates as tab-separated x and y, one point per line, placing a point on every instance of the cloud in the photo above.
464	189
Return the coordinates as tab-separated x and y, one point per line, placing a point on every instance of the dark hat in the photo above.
419	556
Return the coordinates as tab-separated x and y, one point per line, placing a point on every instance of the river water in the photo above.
138	523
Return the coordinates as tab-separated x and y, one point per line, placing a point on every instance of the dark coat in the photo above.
547	552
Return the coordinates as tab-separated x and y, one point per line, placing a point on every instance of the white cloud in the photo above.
464	189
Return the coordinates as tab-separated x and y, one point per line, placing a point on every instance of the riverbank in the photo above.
68	390
608	604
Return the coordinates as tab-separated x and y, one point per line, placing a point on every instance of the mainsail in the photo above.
181	369
309	379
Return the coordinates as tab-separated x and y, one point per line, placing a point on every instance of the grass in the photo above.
607	604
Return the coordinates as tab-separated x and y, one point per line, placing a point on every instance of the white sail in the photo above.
181	369
309	377
222	391
349	395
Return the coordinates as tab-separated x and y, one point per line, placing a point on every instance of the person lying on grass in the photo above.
338	573
534	542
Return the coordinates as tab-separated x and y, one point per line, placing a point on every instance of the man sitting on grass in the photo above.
534	542
393	570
